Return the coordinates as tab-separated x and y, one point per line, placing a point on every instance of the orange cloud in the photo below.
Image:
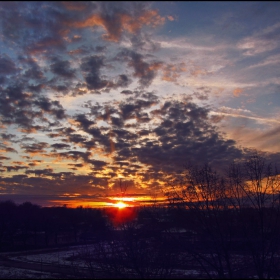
155	66
114	26
28	130
237	91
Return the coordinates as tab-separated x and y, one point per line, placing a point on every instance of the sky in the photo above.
100	98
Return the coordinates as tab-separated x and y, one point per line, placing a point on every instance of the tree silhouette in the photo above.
235	217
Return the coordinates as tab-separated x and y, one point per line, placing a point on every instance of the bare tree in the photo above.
235	217
255	193
202	192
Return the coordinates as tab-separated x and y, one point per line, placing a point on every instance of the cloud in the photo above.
58	146
183	129
171	72
268	61
117	23
261	139
127	92
171	18
237	92
35	148
7	66
202	93
143	70
123	81
245	114
91	67
52	107
40	172
62	68
263	41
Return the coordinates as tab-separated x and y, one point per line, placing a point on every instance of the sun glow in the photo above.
128	199
121	205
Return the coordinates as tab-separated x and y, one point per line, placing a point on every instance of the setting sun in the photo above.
120	205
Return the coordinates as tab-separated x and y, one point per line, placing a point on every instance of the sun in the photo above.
120	205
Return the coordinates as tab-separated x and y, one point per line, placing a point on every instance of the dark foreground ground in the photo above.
55	263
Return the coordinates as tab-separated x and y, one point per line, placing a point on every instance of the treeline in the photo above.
29	226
